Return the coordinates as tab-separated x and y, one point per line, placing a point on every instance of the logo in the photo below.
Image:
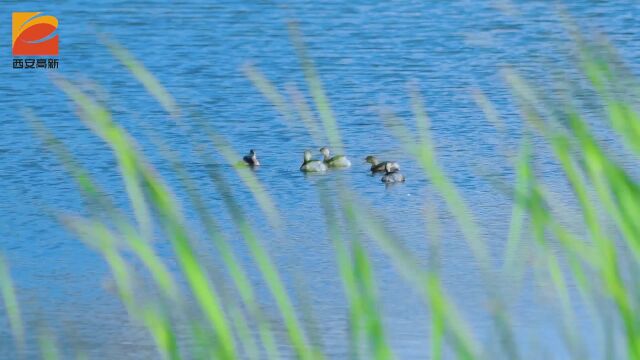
34	34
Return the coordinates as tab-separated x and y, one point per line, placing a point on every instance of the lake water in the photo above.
366	54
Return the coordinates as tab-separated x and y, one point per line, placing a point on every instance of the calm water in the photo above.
366	55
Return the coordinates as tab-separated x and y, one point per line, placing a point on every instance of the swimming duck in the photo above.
377	166
251	159
391	174
309	165
336	161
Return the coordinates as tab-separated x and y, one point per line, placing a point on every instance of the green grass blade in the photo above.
269	273
137	171
150	82
11	304
316	89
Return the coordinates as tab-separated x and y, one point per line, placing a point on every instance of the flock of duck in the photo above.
391	169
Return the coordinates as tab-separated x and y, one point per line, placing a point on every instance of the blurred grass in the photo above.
11	305
220	302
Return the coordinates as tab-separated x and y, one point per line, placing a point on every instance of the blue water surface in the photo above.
368	54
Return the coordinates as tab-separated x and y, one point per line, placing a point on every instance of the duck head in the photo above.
252	154
307	156
325	151
371	160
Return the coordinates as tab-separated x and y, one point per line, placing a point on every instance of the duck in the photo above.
310	165
377	166
336	161
251	159
392	175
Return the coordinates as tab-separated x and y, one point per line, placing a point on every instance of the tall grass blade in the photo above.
11	304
